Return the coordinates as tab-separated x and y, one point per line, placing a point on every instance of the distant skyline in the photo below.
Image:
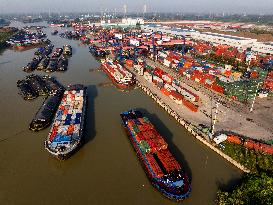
182	6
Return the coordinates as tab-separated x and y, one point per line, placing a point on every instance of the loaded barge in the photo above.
121	77
163	170
66	133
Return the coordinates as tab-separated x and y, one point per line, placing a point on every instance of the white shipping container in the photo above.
188	95
148	77
166	78
161	54
134	42
169	87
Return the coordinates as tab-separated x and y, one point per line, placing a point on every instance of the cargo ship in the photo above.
121	77
163	170
66	133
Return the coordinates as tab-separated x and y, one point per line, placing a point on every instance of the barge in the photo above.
163	170
45	114
66	133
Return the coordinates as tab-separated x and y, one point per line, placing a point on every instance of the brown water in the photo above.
105	170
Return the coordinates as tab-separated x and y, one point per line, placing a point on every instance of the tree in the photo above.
254	190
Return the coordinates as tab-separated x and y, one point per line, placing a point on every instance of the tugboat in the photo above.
119	75
53	65
163	170
45	114
66	133
62	64
43	64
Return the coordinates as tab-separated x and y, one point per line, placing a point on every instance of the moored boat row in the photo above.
66	133
34	85
43	62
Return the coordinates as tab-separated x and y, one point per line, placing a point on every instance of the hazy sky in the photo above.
239	6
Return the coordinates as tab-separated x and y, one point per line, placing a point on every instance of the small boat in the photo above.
54	87
38	85
67	50
163	170
45	114
33	64
62	64
57	53
97	52
55	32
53	65
66	133
43	64
26	90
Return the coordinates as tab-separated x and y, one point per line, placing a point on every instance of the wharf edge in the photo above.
186	125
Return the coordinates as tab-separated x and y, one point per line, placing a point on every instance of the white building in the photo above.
216	39
262	48
167	30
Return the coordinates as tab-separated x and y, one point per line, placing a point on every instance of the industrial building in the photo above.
263	48
217	39
167	30
126	22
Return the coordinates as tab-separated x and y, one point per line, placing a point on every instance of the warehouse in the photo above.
263	48
168	30
216	39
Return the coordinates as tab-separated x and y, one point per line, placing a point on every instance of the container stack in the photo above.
153	146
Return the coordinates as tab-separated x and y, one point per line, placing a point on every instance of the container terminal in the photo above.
212	79
213	84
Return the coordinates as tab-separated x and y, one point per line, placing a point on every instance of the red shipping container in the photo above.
249	144
190	105
234	139
217	88
155	167
165	91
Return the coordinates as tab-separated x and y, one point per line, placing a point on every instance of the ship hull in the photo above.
77	145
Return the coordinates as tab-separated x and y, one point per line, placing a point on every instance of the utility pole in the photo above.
125	10
254	99
214	119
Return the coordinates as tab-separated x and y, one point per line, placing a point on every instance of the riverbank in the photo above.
228	111
188	125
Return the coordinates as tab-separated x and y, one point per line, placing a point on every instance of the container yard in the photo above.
210	75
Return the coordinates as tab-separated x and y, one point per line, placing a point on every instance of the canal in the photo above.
105	170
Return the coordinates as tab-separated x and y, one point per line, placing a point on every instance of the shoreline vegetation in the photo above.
255	187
